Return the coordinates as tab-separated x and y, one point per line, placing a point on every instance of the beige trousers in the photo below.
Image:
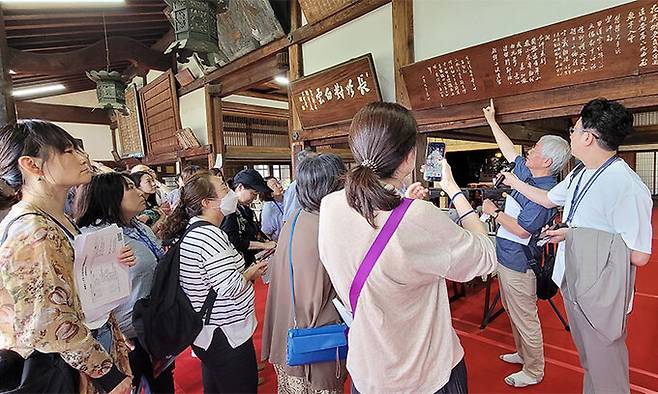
518	293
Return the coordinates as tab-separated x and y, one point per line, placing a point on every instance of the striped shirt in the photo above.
209	260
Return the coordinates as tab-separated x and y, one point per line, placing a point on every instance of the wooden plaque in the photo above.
334	95
161	118
617	42
316	10
130	127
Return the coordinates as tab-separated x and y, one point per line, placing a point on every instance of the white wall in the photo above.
256	101
443	26
97	139
152	75
372	33
192	109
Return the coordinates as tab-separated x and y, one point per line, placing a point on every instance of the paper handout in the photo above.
101	281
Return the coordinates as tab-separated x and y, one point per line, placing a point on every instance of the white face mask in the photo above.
229	203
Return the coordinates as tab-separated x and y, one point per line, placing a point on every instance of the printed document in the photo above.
101	281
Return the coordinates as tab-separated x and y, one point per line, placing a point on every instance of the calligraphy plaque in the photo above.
130	127
617	42
334	95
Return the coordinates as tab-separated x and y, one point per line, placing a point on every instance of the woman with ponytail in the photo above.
401	339
42	332
208	261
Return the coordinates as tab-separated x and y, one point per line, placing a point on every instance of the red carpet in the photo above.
485	371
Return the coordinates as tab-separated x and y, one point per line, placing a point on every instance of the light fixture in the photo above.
499	155
281	80
110	85
35	90
12	72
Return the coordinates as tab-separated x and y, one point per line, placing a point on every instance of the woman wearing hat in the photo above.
241	227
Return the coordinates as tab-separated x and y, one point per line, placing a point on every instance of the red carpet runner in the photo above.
485	371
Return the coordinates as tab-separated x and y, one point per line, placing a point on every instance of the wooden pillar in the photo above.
214	125
7	107
296	70
403	45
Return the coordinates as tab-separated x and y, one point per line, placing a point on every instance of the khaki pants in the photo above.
518	293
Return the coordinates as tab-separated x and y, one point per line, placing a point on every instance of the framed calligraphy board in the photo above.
334	95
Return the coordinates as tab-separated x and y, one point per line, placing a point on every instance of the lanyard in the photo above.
292	279
578	198
61	226
149	243
277	205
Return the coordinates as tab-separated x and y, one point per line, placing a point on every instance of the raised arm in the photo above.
504	143
534	194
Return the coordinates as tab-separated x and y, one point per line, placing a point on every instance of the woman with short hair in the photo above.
401	339
316	177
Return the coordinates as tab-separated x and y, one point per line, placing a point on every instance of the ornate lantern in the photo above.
110	85
110	90
195	27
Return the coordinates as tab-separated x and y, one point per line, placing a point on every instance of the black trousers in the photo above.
456	384
228	370
39	373
141	365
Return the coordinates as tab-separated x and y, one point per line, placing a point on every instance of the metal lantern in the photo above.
110	90
195	28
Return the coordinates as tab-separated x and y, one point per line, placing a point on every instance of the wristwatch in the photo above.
494	214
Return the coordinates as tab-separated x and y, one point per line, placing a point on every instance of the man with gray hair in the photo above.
515	246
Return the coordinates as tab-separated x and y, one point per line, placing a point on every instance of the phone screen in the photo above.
433	166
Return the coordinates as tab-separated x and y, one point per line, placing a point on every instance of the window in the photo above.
282	173
646	167
263	169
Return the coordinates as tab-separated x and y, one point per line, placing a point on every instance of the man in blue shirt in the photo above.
520	220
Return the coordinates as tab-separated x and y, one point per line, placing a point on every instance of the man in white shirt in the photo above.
604	194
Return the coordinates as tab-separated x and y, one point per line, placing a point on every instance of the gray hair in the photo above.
557	149
317	176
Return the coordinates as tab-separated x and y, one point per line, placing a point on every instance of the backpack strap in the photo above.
206	308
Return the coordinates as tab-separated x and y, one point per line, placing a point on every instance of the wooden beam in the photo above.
639	91
160	46
253	111
403	45
298	36
94	30
121	48
263	95
214	122
62	113
7	107
263	153
254	74
296	71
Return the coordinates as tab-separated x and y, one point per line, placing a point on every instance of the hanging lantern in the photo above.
195	28
110	90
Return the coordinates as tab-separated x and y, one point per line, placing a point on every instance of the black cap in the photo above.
251	179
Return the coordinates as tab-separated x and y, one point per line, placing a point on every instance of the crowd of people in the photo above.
364	244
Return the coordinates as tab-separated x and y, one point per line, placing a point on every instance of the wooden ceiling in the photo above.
60	30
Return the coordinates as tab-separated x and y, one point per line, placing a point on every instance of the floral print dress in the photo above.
39	306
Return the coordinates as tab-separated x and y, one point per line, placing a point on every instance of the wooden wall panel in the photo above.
161	118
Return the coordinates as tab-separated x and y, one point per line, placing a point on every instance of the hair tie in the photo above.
367	163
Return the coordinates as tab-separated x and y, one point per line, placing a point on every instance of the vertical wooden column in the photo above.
403	45
296	70
403	54
214	125
7	107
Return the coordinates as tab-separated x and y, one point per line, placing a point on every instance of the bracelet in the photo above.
452	199
464	215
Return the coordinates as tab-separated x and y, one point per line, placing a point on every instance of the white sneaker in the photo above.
521	379
512	358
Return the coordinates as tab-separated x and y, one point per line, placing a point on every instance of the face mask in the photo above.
229	203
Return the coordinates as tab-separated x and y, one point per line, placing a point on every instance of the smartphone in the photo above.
263	254
433	157
544	238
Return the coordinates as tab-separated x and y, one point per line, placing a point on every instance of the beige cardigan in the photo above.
402	338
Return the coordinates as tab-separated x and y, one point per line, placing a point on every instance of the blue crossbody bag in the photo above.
316	344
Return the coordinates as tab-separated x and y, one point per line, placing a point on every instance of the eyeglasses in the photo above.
572	129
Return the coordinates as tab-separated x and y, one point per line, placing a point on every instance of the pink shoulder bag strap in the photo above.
376	250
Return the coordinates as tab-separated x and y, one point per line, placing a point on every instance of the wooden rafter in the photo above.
62	113
121	48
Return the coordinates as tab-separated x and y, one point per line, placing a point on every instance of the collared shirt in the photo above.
531	218
272	219
290	202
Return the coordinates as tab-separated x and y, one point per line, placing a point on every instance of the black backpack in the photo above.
542	266
165	321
